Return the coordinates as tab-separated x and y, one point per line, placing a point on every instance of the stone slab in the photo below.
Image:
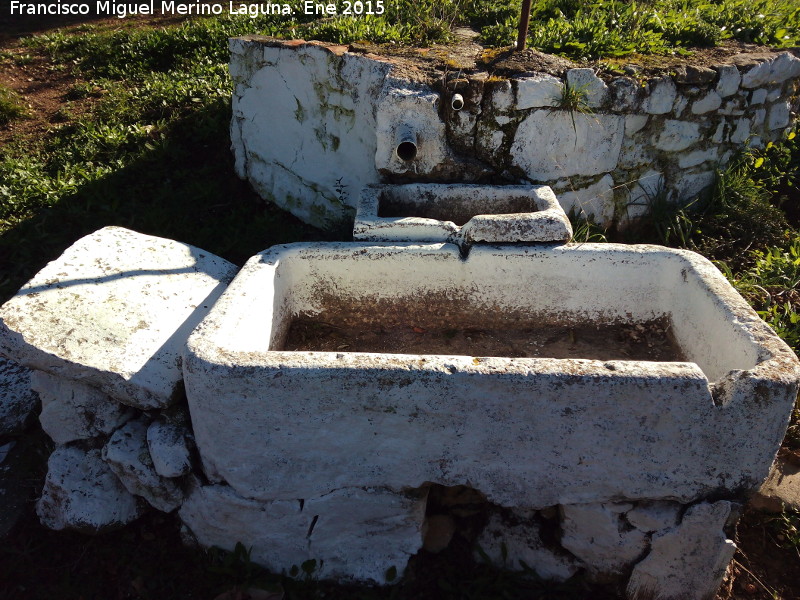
74	411
353	534
17	400
114	311
81	493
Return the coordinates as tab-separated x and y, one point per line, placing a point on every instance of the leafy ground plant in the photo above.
11	105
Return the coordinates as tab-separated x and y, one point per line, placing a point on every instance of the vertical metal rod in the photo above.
523	24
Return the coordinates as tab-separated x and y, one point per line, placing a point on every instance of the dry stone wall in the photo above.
314	124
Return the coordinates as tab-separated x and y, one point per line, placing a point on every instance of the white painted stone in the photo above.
774	70
741	132
352	533
774	93
596	200
625	93
595	534
531	432
518	533
636	152
690	184
114	311
662	96
587	82
17	401
405	113
687	562
676	135
654	515
74	411
306	119
698	157
129	458
680	105
719	134
547	146
537	91
635	123
729	80
502	97
427	212
81	493
758	96
780	115
711	101
169	449
642	193
734	108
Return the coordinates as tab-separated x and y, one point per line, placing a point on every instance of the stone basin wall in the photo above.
313	124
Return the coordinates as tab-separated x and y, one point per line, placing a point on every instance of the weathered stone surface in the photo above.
662	96
692	183
437	532
634	123
642	193
518	532
555	144
17	400
169	448
694	75
758	96
742	131
624	93
114	311
596	200
595	534
74	411
711	101
594	89
776	69
352	533
531	432
686	562
729	80
129	458
537	91
677	135
428	212
81	493
782	487
779	115
651	516
697	157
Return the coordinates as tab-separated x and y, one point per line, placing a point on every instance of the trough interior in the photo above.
458	205
650	340
582	293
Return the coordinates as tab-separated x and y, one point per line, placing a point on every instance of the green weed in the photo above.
11	106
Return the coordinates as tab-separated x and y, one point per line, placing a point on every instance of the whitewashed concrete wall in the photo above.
312	124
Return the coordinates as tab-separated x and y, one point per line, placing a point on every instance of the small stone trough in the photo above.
460	213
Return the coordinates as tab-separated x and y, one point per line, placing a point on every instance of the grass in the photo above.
11	106
152	154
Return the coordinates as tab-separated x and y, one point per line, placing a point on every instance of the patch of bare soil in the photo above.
765	567
649	341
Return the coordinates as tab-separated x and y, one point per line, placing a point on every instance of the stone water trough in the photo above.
534	424
460	213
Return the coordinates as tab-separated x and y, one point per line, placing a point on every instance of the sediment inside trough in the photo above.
648	341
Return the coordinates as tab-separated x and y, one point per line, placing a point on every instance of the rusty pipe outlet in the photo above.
406	149
457	102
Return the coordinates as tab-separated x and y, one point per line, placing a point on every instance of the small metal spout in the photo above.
406	149
457	102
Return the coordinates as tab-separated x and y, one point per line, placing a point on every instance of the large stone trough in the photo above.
530	432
